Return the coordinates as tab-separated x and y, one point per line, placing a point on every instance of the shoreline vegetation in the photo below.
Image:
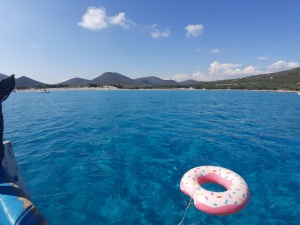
112	88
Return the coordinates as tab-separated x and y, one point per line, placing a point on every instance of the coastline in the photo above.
112	88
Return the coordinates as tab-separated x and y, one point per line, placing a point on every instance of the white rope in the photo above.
190	203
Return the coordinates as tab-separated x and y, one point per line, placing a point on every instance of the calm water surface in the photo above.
117	157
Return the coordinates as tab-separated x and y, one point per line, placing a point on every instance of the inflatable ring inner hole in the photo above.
215	183
210	186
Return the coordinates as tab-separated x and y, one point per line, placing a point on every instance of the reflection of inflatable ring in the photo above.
217	203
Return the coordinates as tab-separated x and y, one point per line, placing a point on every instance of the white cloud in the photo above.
198	76
194	30
250	70
179	77
35	46
96	19
263	58
218	71
216	50
217	68
229	70
156	33
121	20
282	65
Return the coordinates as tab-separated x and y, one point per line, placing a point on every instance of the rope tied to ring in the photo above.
190	203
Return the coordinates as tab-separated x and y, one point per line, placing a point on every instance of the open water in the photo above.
117	157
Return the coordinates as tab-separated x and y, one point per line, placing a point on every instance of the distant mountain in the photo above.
75	82
110	78
27	82
284	80
154	81
2	76
189	82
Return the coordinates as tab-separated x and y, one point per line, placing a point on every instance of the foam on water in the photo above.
98	157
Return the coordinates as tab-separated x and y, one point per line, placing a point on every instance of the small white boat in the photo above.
44	91
298	93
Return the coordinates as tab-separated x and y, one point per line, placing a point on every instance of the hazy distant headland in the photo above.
288	80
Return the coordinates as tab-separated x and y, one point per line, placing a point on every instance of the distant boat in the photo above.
44	91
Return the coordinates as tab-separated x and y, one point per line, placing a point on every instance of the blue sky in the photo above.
55	40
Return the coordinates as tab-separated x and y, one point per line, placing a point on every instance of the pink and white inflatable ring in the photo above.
217	203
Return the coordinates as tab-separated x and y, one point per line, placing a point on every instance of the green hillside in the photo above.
285	80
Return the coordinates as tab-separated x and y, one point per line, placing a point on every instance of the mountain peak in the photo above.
24	81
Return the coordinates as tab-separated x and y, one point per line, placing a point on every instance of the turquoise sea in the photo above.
117	157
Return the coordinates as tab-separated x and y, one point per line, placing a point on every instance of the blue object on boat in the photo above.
16	207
